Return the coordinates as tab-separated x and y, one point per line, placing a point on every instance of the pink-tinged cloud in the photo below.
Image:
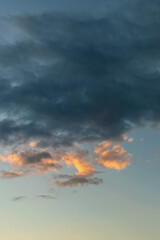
131	140
111	156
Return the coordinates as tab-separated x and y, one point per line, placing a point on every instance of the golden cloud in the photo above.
111	156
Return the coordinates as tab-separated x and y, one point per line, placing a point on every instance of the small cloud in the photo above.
45	197
79	160
125	138
131	140
111	156
12	174
32	144
141	139
77	180
19	198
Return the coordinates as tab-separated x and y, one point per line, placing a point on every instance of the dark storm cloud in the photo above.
79	78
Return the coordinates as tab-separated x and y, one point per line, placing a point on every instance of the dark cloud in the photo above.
34	157
41	161
80	78
76	180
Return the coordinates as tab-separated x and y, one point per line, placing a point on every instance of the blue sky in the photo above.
79	120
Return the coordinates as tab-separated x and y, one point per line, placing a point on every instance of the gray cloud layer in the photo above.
81	78
67	79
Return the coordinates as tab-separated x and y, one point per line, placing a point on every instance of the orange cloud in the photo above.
40	161
130	139
12	158
106	154
32	144
46	161
125	137
79	160
111	157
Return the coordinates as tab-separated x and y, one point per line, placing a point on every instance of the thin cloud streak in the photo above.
19	198
72	181
12	174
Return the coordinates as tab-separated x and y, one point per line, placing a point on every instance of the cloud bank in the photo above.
67	80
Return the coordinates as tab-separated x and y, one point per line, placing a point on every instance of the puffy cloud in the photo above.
40	161
32	144
80	78
80	161
108	154
131	140
125	138
43	161
45	197
111	157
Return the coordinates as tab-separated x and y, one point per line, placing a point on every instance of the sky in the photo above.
79	119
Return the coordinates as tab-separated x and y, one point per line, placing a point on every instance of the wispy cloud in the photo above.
76	180
19	198
47	197
12	174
